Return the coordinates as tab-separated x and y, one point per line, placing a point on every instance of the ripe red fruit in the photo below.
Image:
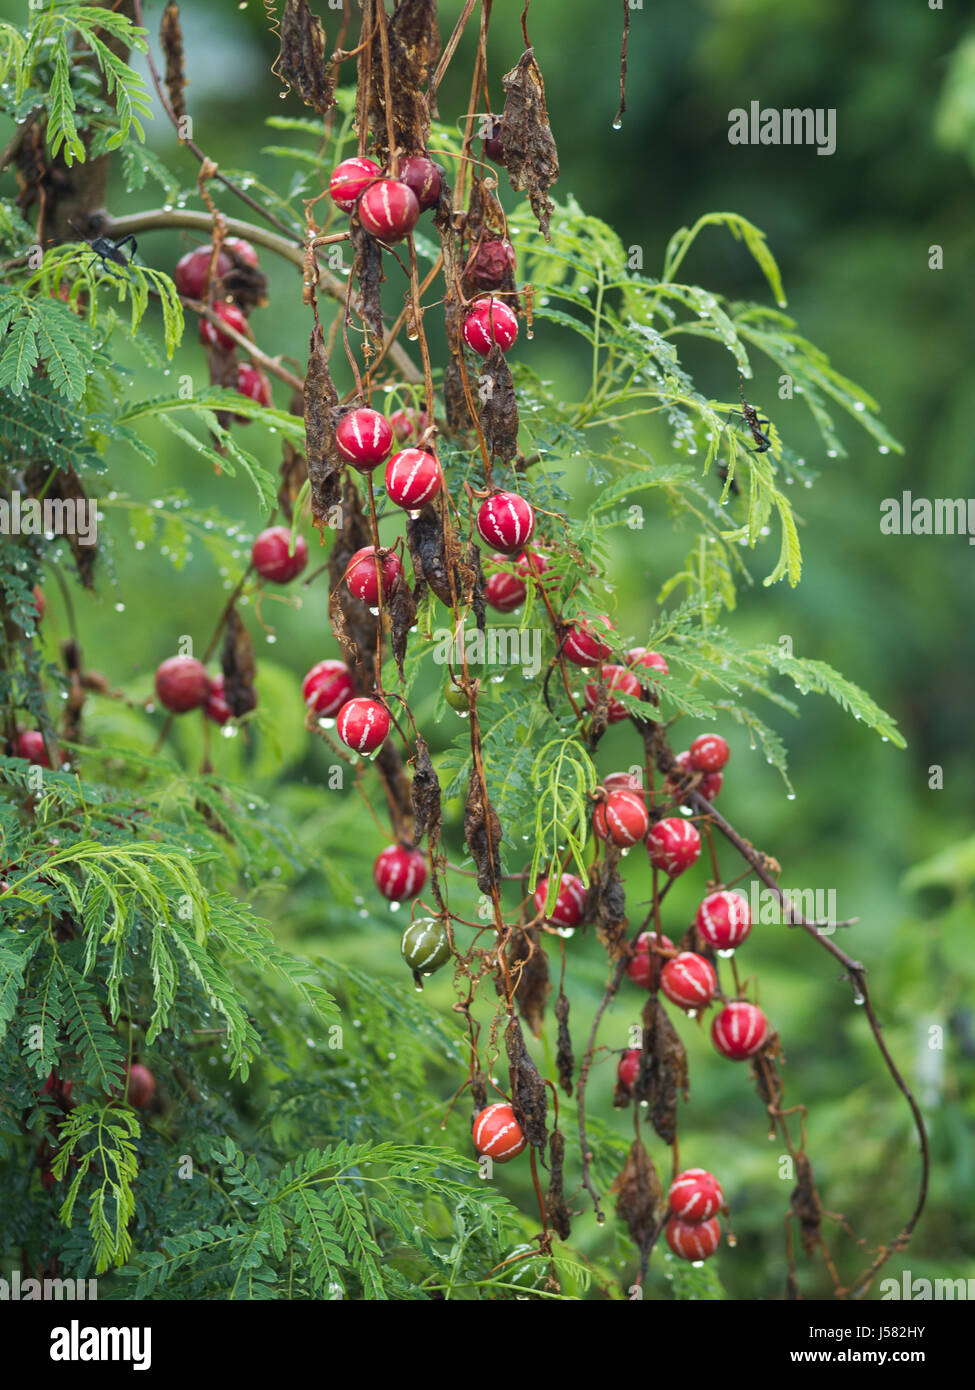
622	782
490	265
531	565
503	590
141	1085
360	574
622	818
210	334
363	724
644	965
40	602
498	1134
327	687
252	382
242	250
695	1195
490	322
408	423
651	661
413	476
506	521
615	678
739	1030
689	980
628	1068
724	920
30	745
423	177
350	179
364	438
673	845
182	684
388	210
584	644
216	707
709	785
569	901
708	753
400	872
190	274
693	1240
271	555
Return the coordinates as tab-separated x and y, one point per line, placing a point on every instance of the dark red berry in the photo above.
327	687
141	1085
490	322
506	521
504	590
491	265
350	179
364	438
644	966
388	210
492	143
216	707
400	872
708	753
423	177
30	745
360	574
252	382
273	558
182	684
363	725
211	335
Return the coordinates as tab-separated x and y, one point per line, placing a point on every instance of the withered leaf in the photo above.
237	663
805	1205
171	42
564	1059
663	1069
530	155
401	608
302	62
529	963
425	541
605	905
640	1201
63	486
499	410
482	835
367	267
425	794
414	47
528	1093
555	1207
324	462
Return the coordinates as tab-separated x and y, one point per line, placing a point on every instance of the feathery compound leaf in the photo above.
810	675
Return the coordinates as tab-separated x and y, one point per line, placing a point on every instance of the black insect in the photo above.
723	475
105	251
754	421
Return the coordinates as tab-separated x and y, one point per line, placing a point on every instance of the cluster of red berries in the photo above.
192	278
183	684
693	1230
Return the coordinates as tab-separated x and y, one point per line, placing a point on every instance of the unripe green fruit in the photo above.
425	945
456	698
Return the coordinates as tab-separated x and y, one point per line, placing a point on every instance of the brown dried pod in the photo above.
641	1203
401	608
555	1207
605	905
529	964
413	37
324	462
171	42
237	663
663	1069
425	794
564	1059
482	835
303	62
499	409
530	155
367	267
804	1204
528	1093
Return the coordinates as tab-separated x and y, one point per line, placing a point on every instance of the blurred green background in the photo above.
852	234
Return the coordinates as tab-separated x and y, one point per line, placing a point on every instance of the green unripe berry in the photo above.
456	698
425	945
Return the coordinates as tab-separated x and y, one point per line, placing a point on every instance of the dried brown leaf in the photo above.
805	1205
555	1207
237	663
414	47
482	835
499	409
528	1093
425	794
303	62
367	267
529	964
640	1201
171	42
530	155
564	1059
324	462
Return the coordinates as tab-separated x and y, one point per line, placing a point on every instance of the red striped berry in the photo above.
364	438
30	745
388	210
689	980
673	845
413	476
216	707
327	687
363	724
724	920
503	590
531	565
651	661
273	558
708	753
569	902
644	965
400	872
252	382
506	521
709	786
192	270
360	574
182	684
693	1240
490	322
584	644
350	179
622	818
408	423
695	1195
210	334
614	678
739	1030
423	177
497	1134
628	1068
242	250
622	782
